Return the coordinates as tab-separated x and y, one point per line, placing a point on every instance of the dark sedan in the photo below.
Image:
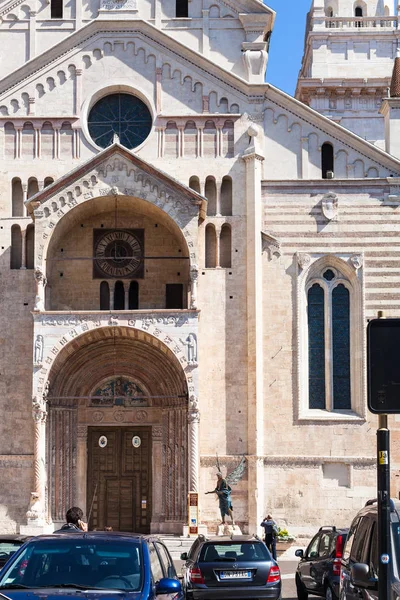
9	544
91	564
230	567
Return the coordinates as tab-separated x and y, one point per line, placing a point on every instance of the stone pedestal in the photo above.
228	530
202	531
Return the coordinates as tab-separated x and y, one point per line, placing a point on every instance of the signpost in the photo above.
383	397
193	513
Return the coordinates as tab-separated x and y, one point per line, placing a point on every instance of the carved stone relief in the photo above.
329	206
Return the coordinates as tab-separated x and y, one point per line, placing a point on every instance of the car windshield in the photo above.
234	552
82	563
7	549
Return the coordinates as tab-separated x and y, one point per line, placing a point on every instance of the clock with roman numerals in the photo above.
118	253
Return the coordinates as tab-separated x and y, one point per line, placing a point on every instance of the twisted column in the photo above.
193	421
36	510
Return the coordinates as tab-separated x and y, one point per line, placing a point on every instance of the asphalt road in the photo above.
288	569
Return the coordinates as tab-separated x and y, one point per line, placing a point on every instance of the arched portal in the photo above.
117	433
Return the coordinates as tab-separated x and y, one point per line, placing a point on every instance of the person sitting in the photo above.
74	522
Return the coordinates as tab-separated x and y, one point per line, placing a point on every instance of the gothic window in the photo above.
182	8
119	296
119	117
329	340
30	246
17	198
211	195
211	247
16	247
226	197
133	295
327	161
104	296
174	295
56	9
225	247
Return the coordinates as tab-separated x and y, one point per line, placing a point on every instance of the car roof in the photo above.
106	535
14	537
371	506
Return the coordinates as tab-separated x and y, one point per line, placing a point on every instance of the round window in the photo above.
120	117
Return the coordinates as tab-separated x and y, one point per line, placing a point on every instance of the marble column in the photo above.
81	469
193	422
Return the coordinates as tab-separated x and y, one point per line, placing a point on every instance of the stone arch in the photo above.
105	353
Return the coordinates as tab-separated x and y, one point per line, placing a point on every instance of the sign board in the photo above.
193	513
383	337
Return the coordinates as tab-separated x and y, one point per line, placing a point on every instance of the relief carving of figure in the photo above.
39	344
191	348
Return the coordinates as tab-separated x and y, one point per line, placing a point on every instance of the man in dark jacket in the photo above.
271	531
74	521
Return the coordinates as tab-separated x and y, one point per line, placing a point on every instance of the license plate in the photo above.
235	575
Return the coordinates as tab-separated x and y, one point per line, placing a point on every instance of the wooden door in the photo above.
119	478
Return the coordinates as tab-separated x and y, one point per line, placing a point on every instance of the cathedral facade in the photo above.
189	260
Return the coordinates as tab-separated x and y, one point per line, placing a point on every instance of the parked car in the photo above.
360	564
233	567
138	566
9	544
318	571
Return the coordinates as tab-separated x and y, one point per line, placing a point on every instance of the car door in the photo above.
320	566
355	555
167	569
306	567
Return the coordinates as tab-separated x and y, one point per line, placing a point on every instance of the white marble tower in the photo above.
348	58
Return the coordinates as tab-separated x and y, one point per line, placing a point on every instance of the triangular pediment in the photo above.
117	172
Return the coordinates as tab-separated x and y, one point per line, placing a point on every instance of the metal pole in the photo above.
383	481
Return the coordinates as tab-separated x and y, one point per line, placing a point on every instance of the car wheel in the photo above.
302	593
329	593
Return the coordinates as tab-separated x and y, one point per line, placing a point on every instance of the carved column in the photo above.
193	422
36	513
23	249
40	280
81	468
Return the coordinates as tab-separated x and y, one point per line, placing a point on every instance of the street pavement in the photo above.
288	570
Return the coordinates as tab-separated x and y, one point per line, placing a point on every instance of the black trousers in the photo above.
270	542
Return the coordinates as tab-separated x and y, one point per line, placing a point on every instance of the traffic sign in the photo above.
383	341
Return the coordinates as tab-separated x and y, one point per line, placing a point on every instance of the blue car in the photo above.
91	566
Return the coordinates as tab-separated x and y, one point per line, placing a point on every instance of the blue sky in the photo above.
287	42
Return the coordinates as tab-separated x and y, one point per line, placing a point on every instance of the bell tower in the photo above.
348	58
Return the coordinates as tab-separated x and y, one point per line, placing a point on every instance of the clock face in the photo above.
118	253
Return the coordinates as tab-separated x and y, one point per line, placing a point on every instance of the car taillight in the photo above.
336	566
274	575
196	576
339	547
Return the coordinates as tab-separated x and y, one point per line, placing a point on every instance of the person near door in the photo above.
74	521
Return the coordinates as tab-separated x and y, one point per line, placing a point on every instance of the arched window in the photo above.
182	8
211	247
56	9
119	296
225	247
358	12
48	181
133	295
30	246
329	11
104	296
327	161
17	198
33	187
226	197
16	247
211	195
194	184
329	339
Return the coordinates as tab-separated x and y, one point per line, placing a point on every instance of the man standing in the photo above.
271	532
74	521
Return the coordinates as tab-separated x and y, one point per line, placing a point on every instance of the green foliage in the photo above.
284	535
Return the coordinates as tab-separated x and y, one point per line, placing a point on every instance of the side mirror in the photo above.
299	553
184	556
168	586
360	577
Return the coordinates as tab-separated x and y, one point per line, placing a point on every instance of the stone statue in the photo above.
35	507
39	344
191	345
